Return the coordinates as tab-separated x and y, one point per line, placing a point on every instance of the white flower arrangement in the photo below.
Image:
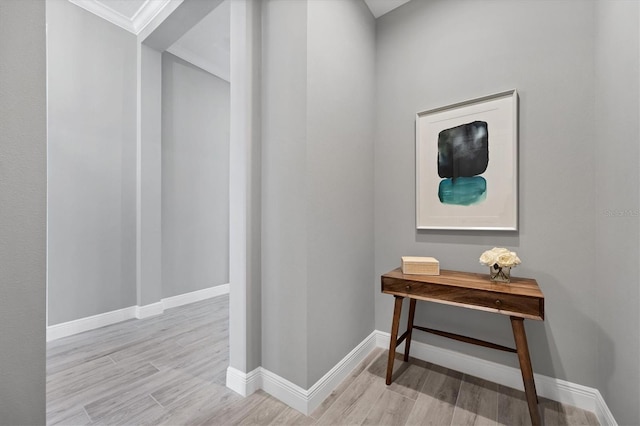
499	258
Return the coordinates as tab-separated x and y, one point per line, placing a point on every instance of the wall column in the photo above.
149	183
244	192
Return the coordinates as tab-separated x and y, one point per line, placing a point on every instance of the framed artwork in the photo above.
467	165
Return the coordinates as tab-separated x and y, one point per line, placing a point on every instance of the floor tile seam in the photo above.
426	380
114	382
476	414
455	406
135	397
80	393
228	404
415	402
145	379
177	401
53	379
91	419
74	362
373	406
401	394
187	394
156	401
281	407
131	363
53	410
140	358
173	406
497	404
344	390
110	413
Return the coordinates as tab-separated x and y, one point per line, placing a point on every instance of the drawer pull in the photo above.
408	287
498	302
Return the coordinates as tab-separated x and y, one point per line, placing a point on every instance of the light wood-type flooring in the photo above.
171	370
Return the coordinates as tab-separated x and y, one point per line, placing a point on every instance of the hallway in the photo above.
171	370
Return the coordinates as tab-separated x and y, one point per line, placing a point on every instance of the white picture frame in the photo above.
453	144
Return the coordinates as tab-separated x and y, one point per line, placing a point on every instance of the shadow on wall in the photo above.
545	334
542	341
477	238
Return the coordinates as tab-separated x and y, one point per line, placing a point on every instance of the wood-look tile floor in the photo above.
171	370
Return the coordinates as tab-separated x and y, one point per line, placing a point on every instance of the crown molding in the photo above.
134	25
146	13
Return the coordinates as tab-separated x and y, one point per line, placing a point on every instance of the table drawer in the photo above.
502	302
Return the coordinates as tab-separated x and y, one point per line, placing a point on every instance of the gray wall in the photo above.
91	157
339	163
195	178
149	222
284	189
23	212
616	265
438	52
317	189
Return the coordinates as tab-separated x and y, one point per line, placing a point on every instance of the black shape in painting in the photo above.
463	151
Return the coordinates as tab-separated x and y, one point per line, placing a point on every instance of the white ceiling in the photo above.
206	45
134	15
380	7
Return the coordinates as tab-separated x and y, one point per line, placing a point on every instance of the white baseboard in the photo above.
244	383
327	383
151	310
284	390
558	390
305	401
247	383
195	296
70	328
65	329
604	415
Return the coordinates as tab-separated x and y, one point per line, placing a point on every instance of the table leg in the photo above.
525	366
412	311
394	336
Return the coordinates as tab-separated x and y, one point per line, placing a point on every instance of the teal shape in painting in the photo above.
463	191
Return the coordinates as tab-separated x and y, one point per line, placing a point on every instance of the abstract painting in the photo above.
463	154
466	165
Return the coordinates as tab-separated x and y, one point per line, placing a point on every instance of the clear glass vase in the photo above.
500	275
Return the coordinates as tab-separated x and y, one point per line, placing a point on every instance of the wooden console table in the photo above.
519	299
